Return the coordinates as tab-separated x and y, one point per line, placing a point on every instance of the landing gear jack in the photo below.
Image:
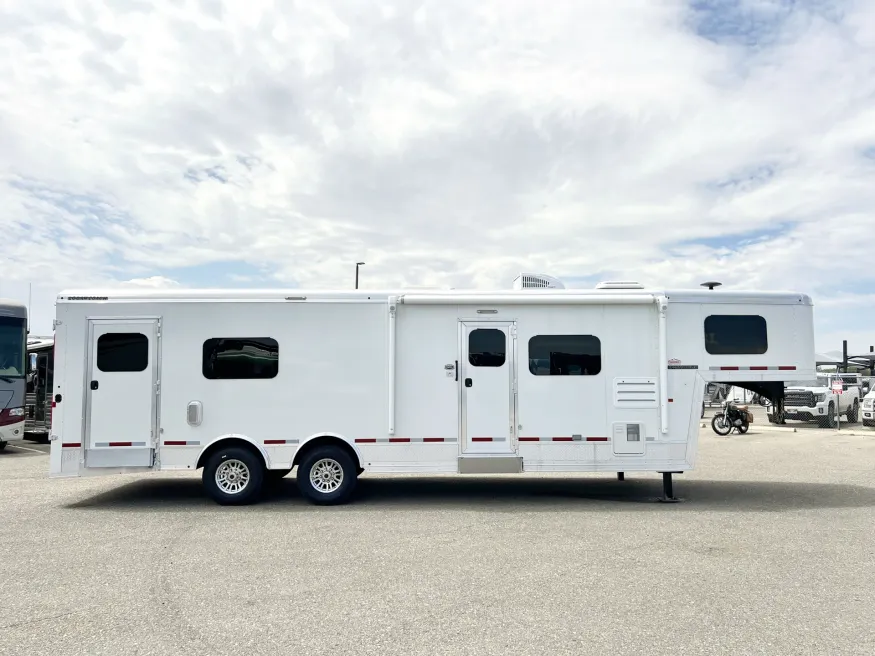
667	490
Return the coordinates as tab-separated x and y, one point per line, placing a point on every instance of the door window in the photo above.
487	347
122	352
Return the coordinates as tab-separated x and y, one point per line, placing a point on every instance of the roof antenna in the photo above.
711	285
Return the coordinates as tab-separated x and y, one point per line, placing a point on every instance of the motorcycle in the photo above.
733	417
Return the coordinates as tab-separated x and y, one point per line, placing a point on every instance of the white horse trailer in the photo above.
249	384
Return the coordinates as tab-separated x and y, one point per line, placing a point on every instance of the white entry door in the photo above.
488	369
121	391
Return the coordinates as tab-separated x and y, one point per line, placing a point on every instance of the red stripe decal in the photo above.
121	443
787	368
597	439
71	445
174	443
671	400
728	368
432	439
759	368
272	442
563	439
481	439
399	439
528	439
366	440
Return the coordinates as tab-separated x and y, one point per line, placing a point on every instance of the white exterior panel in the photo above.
392	386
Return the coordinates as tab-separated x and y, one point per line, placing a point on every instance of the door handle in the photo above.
94	384
468	382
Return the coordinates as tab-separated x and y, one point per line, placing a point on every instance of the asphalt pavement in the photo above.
770	551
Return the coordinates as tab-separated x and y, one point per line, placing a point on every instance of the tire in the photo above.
743	428
336	470
2	445
228	465
722	430
831	416
854	414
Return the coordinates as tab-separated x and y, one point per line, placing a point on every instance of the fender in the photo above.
340	437
235	436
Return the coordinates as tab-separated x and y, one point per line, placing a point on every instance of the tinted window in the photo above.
13	346
487	347
122	352
730	334
565	355
240	357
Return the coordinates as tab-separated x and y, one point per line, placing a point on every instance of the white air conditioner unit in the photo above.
619	284
537	281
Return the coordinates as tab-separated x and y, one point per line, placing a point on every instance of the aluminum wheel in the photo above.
326	475
232	476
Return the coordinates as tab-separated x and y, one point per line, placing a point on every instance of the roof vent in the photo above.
537	281
619	284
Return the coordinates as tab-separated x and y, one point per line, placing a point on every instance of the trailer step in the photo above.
490	464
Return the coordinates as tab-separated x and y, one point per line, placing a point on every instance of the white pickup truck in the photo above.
869	409
815	400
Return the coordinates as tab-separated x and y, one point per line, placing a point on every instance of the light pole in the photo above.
357	265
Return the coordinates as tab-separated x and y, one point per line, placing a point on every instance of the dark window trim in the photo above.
206	347
719	352
600	356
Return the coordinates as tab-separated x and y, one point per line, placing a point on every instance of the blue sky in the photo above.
445	143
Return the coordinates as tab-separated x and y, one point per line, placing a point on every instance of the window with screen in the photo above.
122	352
487	347
240	358
736	334
565	355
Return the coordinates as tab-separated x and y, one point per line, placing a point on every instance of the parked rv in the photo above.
13	335
38	400
249	384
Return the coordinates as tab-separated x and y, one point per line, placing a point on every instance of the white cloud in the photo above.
152	282
444	143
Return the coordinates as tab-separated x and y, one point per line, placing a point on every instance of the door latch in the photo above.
468	382
94	384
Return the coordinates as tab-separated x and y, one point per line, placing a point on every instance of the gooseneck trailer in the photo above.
249	384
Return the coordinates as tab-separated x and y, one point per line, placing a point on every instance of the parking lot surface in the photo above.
771	551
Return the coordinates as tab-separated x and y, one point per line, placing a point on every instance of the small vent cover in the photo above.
635	393
537	281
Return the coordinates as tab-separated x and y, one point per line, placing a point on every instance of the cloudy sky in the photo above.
444	143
